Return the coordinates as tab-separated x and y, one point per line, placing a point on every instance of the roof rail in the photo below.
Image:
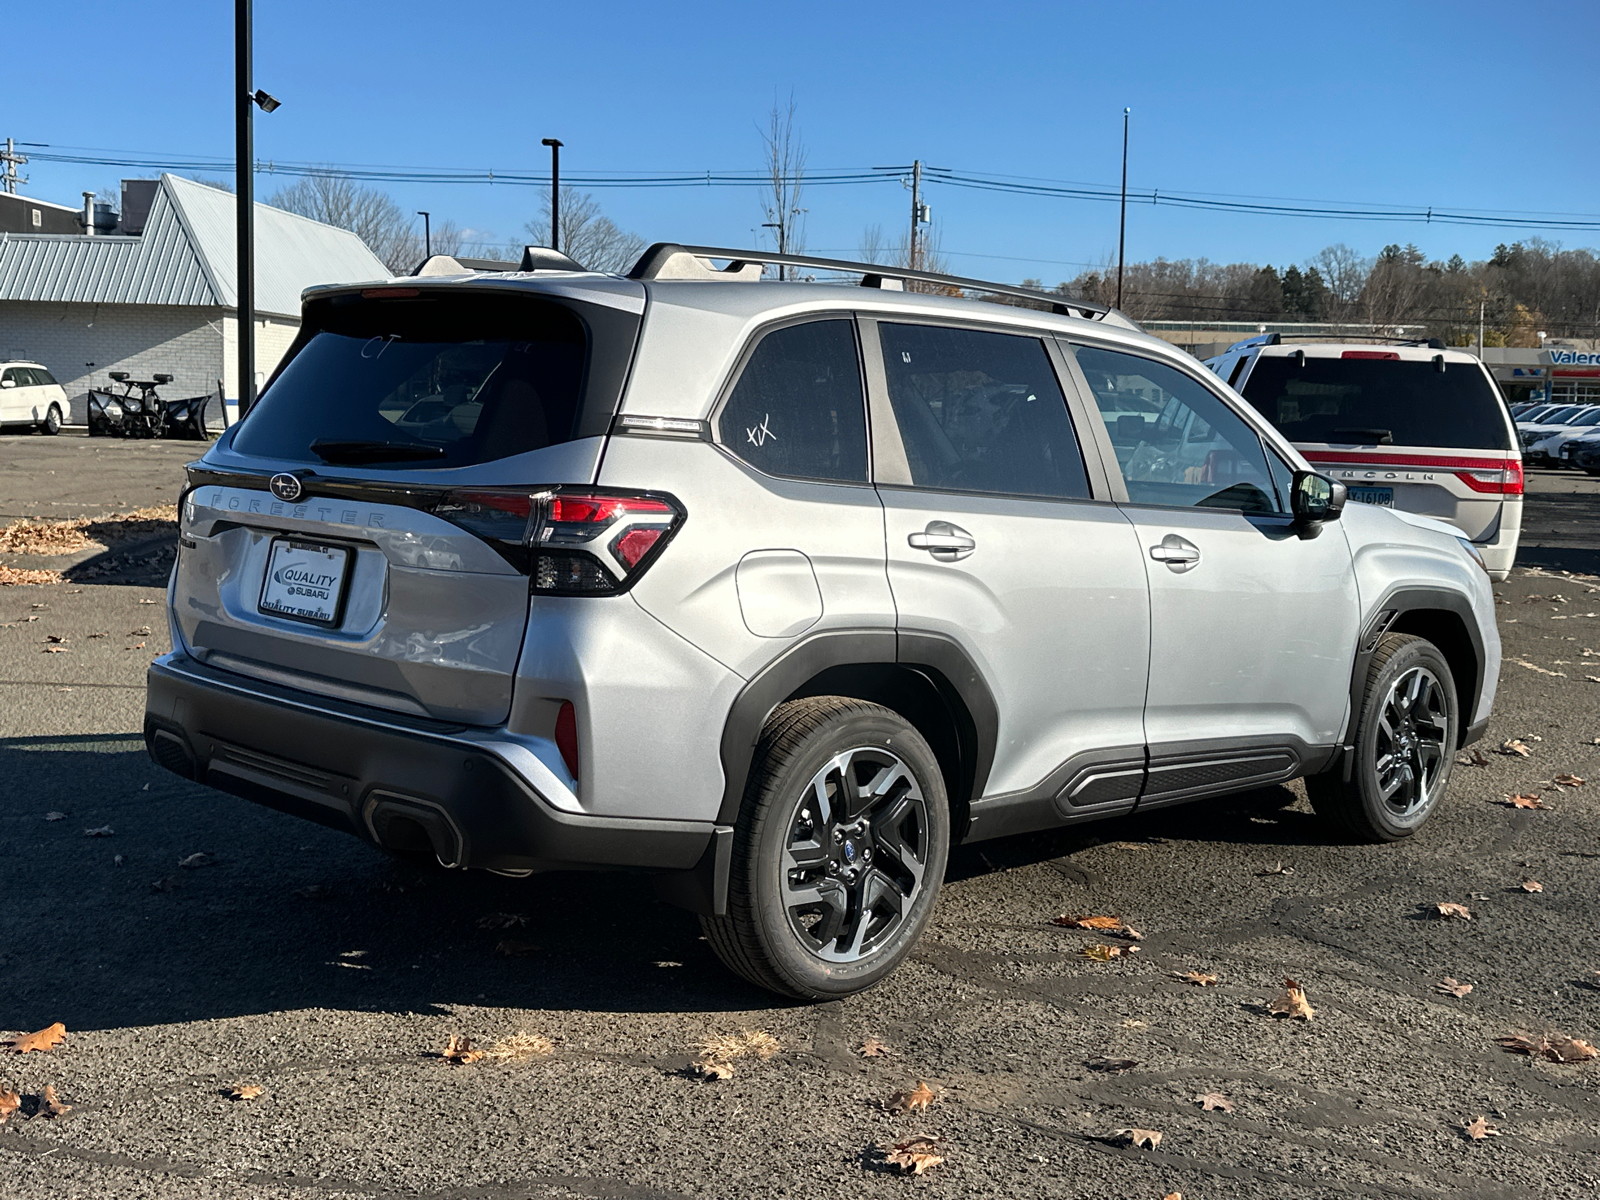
1277	339
668	260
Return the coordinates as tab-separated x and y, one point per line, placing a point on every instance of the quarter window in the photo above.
798	408
1176	442
981	412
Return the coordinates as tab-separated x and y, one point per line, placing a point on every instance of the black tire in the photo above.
784	847
51	424
1403	755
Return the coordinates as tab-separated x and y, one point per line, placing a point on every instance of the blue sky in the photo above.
1465	105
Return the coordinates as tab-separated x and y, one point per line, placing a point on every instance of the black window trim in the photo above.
889	449
1270	442
747	352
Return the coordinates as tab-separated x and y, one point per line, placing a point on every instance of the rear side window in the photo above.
798	408
439	381
43	378
1378	402
981	412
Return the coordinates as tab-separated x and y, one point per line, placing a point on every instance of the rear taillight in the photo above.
569	540
567	736
1369	354
1506	481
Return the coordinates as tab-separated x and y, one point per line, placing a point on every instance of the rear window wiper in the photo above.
1367	437
352	453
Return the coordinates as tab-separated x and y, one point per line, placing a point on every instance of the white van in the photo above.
1413	426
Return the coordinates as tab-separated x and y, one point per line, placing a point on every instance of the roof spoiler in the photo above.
534	258
668	260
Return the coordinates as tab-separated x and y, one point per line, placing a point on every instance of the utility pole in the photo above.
1122	220
12	160
555	191
427	235
244	160
916	209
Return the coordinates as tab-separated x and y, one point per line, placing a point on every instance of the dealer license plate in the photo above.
305	581
1382	497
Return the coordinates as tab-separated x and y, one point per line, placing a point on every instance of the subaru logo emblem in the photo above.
286	487
850	851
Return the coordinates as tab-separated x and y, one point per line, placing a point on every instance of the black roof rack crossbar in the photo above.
1393	339
666	260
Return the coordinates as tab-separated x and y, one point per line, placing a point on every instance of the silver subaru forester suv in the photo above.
776	590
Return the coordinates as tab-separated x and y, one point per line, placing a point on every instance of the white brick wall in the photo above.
196	346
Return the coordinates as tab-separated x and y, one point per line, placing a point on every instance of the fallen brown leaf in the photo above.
1479	1129
913	1101
914	1155
873	1048
1198	978
244	1091
1173	1196
1450	986
1532	885
1528	801
461	1051
50	1105
55	816
511	948
1103	953
1475	758
1114	925
1292	1003
1101	1063
99	831
1448	910
1277	869
58	650
9	1103
1210	1101
1568	780
1553	1046
44	1039
501	920
708	1068
1143	1139
198	859
1514	746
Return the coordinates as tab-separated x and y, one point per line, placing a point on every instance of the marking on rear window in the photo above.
758	436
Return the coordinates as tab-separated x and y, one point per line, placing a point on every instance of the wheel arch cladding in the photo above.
1450	633
956	716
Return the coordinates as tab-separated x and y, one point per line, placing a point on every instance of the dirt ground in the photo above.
299	961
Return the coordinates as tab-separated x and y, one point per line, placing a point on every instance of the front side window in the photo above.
981	412
798	408
1177	443
13	376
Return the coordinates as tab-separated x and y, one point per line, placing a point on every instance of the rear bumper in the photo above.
407	786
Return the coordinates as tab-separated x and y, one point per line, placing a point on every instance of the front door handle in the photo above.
1178	553
946	542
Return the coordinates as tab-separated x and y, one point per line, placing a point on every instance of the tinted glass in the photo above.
43	377
447	383
1176	442
798	407
13	375
981	412
1379	401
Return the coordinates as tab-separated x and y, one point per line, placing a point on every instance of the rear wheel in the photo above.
1404	748
52	421
839	850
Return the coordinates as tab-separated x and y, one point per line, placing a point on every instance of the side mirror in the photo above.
1316	497
5	383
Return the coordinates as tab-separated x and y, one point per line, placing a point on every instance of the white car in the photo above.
1412	426
1542	440
30	395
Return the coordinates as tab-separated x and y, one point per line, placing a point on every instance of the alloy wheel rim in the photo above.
1413	725
855	855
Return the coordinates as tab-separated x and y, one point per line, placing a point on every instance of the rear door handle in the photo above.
1178	553
946	542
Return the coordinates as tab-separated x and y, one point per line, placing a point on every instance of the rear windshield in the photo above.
1379	402
440	381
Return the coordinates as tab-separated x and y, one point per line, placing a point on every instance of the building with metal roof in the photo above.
158	291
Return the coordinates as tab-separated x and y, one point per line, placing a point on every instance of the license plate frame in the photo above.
317	559
1382	497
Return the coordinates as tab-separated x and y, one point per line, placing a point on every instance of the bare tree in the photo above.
371	215
786	170
1345	272
873	248
588	236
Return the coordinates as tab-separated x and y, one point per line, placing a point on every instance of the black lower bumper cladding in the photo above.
407	789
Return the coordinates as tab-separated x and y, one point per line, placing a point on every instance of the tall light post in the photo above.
245	98
1122	220
427	235
555	191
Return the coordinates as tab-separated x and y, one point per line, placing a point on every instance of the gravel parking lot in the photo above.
295	960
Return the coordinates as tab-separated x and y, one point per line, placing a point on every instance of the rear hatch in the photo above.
1405	427
360	533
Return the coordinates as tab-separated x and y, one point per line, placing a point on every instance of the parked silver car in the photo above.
778	590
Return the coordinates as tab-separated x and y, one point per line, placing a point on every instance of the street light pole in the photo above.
1122	220
427	235
555	191
244	153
